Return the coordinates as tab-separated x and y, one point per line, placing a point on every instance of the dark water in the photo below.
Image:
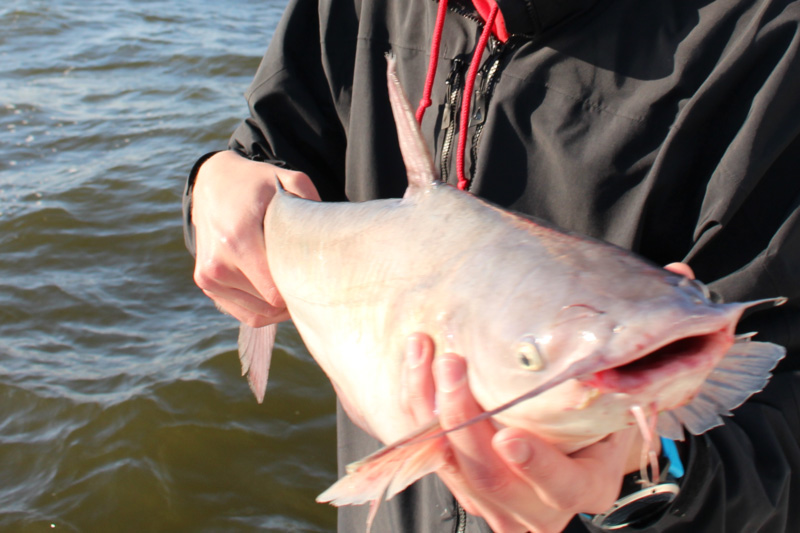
121	403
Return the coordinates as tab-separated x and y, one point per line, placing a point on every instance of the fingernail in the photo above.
517	451
451	373
414	352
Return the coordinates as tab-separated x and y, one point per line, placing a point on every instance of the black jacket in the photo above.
668	127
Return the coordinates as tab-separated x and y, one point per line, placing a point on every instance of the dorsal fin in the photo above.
418	160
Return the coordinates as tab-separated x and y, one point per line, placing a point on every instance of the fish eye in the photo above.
529	357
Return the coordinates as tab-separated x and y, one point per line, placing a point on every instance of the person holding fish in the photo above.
668	128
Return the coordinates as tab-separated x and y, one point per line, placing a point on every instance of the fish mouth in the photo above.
691	354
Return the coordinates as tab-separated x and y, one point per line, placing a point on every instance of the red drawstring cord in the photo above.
469	85
467	97
425	102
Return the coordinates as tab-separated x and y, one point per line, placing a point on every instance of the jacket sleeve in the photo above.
297	105
299	99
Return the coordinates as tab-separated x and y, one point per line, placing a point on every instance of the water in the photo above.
121	403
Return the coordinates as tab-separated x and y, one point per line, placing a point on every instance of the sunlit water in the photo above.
121	403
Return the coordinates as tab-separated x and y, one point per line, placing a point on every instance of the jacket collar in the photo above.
530	17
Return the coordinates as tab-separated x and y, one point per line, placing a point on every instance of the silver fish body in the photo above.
359	278
579	329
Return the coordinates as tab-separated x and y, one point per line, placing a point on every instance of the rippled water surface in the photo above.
121	403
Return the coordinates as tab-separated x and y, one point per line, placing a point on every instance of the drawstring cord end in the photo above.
436	42
424	104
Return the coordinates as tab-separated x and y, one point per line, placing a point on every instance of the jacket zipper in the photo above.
461	522
449	124
466	10
484	86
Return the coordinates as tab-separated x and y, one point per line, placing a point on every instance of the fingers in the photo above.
418	398
237	276
234	289
511	478
681	268
479	479
245	315
581	482
417	389
298	184
456	406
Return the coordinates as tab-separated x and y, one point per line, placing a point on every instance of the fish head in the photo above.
653	343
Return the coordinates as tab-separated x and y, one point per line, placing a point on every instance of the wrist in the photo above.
188	227
641	503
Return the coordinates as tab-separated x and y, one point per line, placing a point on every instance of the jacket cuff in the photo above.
692	484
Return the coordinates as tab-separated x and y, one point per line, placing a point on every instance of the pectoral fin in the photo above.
255	354
389	470
744	371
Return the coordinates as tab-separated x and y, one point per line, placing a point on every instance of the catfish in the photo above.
564	336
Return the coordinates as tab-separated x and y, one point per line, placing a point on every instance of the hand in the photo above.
230	199
514	480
